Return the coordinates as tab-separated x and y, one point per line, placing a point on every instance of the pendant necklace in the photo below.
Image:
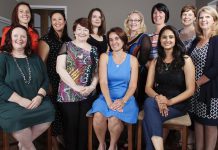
119	54
167	66
21	72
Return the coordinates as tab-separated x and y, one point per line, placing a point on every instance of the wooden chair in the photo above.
90	131
180	123
6	144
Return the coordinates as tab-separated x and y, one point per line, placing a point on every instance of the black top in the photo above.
100	45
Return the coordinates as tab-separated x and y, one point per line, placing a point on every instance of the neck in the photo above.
18	53
118	53
158	28
189	28
95	30
24	24
59	33
80	41
206	34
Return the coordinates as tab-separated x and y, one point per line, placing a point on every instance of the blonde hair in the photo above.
143	27
211	11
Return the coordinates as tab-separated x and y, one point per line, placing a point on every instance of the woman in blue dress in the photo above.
118	73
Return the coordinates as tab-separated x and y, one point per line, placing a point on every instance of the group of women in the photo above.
111	76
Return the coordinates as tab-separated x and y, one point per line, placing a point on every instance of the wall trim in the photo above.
5	20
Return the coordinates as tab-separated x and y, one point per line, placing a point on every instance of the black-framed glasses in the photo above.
135	20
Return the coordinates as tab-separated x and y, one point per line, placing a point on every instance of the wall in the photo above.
115	10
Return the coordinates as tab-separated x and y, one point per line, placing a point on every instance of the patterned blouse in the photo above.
81	65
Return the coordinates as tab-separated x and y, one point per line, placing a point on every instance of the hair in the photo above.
81	21
178	50
122	35
14	16
53	33
160	7
102	28
187	8
8	47
211	11
143	27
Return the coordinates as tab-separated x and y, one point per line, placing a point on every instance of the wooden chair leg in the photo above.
130	137
49	138
139	135
5	141
184	137
90	122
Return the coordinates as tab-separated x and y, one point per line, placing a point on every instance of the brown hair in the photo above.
81	21
188	8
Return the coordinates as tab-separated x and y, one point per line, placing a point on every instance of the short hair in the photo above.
188	8
122	35
81	21
102	28
8	47
160	7
143	27
14	16
211	11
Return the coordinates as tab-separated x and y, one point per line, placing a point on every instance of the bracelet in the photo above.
41	95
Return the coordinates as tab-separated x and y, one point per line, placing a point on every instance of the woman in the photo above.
139	45
25	110
170	83
116	103
204	103
77	66
159	16
187	34
49	46
22	15
97	27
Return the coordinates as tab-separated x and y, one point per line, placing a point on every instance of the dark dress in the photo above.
13	117
54	46
140	47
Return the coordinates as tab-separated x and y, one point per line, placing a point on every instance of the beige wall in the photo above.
114	10
6	7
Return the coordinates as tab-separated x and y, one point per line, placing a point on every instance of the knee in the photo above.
99	119
113	121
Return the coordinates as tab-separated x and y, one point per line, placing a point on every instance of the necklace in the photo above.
21	72
119	55
167	66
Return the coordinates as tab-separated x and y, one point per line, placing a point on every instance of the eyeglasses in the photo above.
134	20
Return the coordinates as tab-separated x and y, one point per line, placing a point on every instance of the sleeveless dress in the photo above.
118	81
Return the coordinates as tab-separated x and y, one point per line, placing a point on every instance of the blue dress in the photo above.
118	82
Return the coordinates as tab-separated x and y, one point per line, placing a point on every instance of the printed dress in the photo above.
118	81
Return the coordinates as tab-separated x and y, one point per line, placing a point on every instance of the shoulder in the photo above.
6	29
214	39
4	55
45	37
133	60
187	58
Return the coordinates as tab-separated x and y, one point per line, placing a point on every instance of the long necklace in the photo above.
167	66
21	72
119	54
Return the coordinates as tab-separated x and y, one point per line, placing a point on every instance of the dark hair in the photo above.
160	7
122	35
8	47
81	21
178	50
53	33
102	28
14	16
187	8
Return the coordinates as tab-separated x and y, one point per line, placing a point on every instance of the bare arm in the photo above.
43	50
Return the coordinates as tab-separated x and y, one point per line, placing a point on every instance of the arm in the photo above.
145	48
103	78
43	50
4	32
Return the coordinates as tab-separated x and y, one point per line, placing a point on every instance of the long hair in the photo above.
102	28
8	47
122	35
178	50
52	33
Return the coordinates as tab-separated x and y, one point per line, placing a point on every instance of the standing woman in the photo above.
187	34
170	83
204	103
97	27
49	46
22	15
159	16
139	45
77	64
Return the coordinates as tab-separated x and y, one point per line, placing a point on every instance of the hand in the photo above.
36	101
117	105
79	88
24	102
163	110
162	100
87	90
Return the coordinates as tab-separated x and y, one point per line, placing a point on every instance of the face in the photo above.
24	15
96	19
188	18
205	21
81	33
19	38
134	22
158	17
115	42
167	40
58	22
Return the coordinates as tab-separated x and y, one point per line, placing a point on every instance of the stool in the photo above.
179	123
6	145
90	130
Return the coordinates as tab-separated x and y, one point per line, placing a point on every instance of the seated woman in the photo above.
169	84
118	73
25	111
